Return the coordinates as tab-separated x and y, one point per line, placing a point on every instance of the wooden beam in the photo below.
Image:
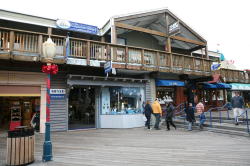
153	32
140	29
196	48
188	40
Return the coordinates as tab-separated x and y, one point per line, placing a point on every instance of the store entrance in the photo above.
81	107
19	111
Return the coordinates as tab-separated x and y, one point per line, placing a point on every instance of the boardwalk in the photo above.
136	147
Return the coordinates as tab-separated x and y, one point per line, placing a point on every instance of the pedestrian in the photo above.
148	111
169	115
157	113
190	116
201	114
237	105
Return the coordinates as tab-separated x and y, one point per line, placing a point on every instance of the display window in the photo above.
122	100
19	111
165	94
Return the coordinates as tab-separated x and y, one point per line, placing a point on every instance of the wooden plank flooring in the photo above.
137	147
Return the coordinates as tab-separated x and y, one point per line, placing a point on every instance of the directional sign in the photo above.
108	66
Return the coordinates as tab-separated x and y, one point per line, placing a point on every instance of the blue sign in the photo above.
74	26
108	67
57	94
215	66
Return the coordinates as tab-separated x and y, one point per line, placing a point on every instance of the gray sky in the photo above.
223	22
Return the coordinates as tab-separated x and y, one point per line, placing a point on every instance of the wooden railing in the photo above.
122	56
236	76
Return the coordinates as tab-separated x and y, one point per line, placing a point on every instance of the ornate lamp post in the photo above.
49	51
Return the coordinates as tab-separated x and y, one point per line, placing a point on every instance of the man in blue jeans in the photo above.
156	107
238	105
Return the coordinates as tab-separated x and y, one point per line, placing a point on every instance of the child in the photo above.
200	112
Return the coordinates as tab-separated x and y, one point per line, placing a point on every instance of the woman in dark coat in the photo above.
148	111
190	116
169	115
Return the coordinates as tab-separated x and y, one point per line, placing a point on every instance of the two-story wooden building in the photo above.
151	52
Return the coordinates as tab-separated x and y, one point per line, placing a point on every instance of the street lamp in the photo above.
49	51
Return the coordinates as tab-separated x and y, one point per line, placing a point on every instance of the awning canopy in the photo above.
216	86
169	83
237	86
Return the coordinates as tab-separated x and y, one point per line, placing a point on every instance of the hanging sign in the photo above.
57	94
74	26
108	67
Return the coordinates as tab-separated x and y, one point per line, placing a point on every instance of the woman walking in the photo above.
148	112
169	115
190	116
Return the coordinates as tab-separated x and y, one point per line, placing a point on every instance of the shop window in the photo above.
122	100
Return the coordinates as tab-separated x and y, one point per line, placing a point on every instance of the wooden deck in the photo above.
138	146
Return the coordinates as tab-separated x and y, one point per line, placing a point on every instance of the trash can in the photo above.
20	146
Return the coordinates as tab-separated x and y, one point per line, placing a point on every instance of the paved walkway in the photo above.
137	147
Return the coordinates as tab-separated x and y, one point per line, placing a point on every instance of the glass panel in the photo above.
122	100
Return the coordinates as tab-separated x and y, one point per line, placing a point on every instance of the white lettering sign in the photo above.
75	61
175	27
64	24
57	91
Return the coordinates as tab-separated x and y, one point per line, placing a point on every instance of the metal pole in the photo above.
210	118
47	146
220	114
247	121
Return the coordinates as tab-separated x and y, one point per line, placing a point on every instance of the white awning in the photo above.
242	87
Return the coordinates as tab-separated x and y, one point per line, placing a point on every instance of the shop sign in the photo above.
57	94
76	61
74	26
174	28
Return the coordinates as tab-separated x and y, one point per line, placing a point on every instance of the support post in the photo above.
12	39
47	146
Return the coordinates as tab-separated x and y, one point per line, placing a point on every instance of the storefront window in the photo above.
123	100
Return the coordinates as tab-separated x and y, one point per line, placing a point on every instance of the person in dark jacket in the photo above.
169	115
238	106
148	111
190	116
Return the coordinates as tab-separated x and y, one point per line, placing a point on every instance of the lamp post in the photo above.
49	51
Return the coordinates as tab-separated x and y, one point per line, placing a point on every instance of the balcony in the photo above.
236	76
27	46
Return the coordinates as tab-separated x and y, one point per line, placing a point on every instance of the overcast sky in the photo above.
223	22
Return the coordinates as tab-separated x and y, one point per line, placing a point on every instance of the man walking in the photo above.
237	104
157	113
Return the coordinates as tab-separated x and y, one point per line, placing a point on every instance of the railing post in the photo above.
157	61
40	43
126	56
210	118
193	64
108	52
203	65
171	61
247	121
220	115
142	59
12	39
88	53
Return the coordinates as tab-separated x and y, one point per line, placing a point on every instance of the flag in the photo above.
215	66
